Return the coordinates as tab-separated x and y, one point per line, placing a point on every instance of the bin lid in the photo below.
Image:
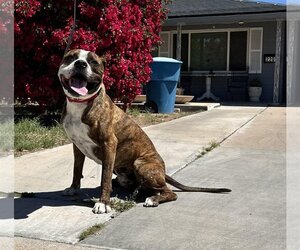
165	59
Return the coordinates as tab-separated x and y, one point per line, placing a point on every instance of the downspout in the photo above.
178	48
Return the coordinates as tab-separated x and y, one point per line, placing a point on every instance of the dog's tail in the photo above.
182	187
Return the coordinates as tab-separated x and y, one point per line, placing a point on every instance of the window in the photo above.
217	50
238	51
208	51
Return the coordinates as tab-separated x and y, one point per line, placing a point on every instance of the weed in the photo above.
134	112
92	230
119	205
211	146
214	144
208	148
122	205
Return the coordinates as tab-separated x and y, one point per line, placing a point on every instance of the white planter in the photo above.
254	93
140	98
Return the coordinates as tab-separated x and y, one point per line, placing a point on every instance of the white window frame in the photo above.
256	50
189	32
166	54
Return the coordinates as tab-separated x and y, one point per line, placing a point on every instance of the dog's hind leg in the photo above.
77	172
150	173
165	195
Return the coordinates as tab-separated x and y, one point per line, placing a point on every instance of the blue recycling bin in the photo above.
161	90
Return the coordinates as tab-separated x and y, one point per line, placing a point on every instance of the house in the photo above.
222	40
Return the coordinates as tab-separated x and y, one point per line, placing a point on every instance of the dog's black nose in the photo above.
80	64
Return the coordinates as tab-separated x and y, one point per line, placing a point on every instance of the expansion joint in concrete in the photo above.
196	156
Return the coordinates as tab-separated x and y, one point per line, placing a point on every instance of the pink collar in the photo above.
84	100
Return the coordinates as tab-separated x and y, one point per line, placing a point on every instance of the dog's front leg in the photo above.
77	172
110	146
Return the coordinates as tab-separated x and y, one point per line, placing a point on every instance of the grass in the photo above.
118	205
121	206
90	231
212	145
133	112
6	135
30	135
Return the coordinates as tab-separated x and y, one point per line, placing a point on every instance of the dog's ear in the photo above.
103	61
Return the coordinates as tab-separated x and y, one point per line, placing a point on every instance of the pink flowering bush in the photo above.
125	31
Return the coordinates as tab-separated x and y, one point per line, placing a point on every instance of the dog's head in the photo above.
81	73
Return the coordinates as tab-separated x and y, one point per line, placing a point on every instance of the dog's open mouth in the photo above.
78	83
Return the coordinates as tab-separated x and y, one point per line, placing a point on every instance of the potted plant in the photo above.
255	90
179	91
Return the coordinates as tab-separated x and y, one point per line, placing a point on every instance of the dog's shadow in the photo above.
30	202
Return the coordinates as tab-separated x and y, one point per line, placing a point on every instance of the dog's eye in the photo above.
70	58
94	62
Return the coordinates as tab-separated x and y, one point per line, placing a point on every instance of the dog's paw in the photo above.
70	191
101	208
150	203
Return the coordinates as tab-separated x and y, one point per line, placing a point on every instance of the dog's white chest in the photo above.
77	131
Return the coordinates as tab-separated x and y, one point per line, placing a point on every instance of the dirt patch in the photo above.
147	119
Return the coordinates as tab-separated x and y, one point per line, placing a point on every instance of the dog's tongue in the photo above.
79	86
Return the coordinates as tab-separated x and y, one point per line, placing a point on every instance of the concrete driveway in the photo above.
250	161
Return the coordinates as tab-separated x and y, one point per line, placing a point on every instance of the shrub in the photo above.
125	31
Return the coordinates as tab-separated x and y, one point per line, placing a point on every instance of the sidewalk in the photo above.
52	217
252	163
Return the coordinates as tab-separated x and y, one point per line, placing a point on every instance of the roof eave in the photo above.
226	18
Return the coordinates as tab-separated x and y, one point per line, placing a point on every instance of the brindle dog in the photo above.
103	132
